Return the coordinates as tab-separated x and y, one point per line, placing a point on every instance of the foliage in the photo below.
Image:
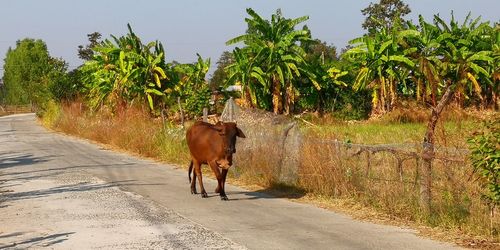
197	99
220	76
485	157
31	73
271	61
383	15
188	83
423	61
382	64
123	71
86	52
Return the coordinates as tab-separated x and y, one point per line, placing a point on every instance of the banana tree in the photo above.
189	85
124	71
276	58
383	64
242	72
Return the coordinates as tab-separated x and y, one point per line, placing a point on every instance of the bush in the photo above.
485	157
51	113
197	100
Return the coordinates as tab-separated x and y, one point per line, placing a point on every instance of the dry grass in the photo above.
131	129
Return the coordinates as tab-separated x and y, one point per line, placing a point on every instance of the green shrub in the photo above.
50	114
197	100
485	157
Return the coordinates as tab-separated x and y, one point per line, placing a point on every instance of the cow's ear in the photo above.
240	133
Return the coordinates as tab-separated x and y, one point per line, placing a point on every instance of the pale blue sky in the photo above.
187	27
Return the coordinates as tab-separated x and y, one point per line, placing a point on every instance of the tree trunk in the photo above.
277	98
428	151
248	98
289	99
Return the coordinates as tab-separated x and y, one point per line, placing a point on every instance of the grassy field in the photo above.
328	175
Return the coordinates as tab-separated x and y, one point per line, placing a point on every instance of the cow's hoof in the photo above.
204	195
224	198
193	192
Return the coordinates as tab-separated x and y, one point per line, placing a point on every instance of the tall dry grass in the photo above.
337	171
131	129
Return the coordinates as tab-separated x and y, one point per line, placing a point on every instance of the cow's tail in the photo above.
190	170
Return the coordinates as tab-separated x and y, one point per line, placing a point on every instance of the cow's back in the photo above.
204	142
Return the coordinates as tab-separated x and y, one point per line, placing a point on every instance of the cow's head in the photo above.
228	131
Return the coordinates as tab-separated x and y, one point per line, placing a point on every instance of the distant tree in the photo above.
219	76
86	52
384	14
318	50
30	73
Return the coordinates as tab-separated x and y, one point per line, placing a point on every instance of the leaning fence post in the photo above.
180	109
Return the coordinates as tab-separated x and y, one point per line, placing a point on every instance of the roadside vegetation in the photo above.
429	84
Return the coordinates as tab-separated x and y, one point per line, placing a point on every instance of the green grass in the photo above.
450	133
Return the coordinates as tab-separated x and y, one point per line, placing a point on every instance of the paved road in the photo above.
249	219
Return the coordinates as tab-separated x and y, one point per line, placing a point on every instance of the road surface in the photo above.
65	193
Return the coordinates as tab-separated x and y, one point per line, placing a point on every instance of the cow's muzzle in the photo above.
224	164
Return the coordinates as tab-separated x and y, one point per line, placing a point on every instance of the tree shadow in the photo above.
72	188
8	160
64	168
35	242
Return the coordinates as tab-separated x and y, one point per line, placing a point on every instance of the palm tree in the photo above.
276	57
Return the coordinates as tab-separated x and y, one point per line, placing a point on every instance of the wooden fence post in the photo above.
205	114
425	172
180	109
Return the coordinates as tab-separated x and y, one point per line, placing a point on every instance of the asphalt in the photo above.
250	219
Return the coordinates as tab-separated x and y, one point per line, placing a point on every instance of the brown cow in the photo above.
213	145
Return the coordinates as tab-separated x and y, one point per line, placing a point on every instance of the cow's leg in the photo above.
193	180
220	187
193	184
197	171
224	175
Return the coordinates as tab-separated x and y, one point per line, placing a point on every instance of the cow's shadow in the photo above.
277	191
